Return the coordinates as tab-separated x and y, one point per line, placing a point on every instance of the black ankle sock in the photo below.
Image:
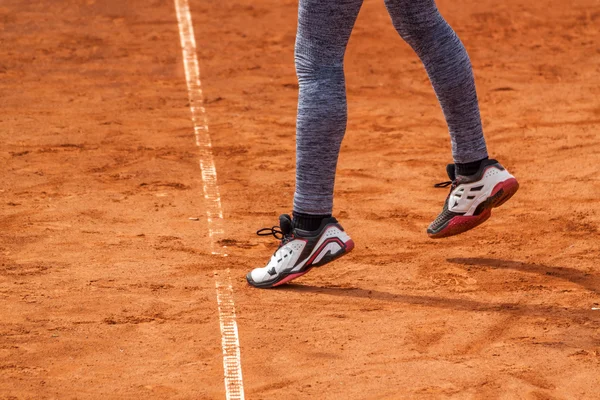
468	169
308	222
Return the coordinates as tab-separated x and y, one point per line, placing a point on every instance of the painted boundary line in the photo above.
232	366
230	343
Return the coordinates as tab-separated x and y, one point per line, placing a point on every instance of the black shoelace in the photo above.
443	184
276	232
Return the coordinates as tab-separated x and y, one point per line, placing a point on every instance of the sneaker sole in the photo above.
285	278
502	192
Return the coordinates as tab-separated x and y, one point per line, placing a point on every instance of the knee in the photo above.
313	67
416	22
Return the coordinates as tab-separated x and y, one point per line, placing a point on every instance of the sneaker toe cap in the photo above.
258	275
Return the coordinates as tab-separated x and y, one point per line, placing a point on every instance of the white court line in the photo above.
230	343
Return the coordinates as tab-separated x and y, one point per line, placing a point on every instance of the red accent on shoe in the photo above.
291	277
349	245
320	249
510	187
460	224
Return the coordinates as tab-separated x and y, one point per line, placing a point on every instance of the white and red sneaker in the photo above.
300	251
472	198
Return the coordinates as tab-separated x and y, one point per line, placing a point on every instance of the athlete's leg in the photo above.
324	27
449	69
313	238
478	184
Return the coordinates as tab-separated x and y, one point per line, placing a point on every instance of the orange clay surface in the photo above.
106	286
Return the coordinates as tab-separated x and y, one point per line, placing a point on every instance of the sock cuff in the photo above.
297	214
467	169
308	222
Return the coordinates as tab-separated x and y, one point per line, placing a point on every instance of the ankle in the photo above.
308	222
470	168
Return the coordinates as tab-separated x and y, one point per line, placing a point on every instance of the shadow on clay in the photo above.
465	304
581	278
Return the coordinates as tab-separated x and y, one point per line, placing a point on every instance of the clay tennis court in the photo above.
107	286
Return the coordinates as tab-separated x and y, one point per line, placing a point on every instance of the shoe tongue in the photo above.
285	224
451	170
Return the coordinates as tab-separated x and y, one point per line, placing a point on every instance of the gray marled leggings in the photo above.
324	27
